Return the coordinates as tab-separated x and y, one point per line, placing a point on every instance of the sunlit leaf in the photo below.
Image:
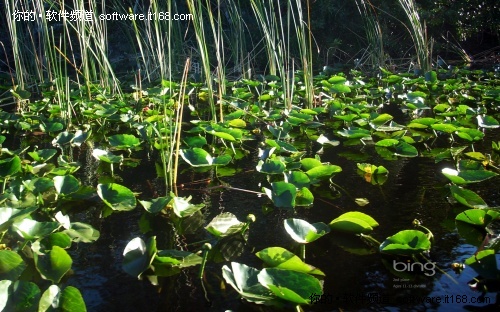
116	196
54	264
406	242
304	232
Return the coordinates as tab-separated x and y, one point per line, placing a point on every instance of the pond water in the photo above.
415	189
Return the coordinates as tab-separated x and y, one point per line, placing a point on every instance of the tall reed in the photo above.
419	35
279	28
373	32
196	8
37	46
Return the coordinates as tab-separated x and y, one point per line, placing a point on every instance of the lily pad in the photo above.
467	176
138	256
289	285
280	258
282	194
467	197
478	217
406	243
10	166
353	222
304	232
116	196
244	280
225	224
54	264
123	141
11	265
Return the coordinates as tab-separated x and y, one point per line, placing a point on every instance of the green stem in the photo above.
303	252
206	249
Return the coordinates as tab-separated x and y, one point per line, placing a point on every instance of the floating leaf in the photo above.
82	232
25	296
353	222
289	285
53	265
322	172
271	166
11	265
324	140
66	185
71	300
304	232
244	280
43	155
467	176
156	205
198	157
407	242
4	293
182	208
31	229
280	258
361	201
282	194
467	197
478	217
116	196
106	156
484	263
138	256
225	224
10	166
123	141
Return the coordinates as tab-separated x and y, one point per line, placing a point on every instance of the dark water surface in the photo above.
415	189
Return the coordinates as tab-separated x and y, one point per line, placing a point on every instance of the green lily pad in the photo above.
225	224
11	265
53	265
468	197
304	232
467	176
156	205
182	206
478	217
43	155
354	222
82	232
198	157
116	196
24	296
297	178
291	286
244	280
322	172
282	194
66	185
484	263
271	166
123	141
406	243
106	156
9	166
69	299
280	258
31	229
138	256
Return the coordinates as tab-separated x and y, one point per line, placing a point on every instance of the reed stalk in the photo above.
196	9
373	31
419	35
180	111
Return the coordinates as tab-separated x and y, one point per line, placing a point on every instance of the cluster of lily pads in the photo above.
440	115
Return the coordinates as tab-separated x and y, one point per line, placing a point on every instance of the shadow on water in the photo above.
415	189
